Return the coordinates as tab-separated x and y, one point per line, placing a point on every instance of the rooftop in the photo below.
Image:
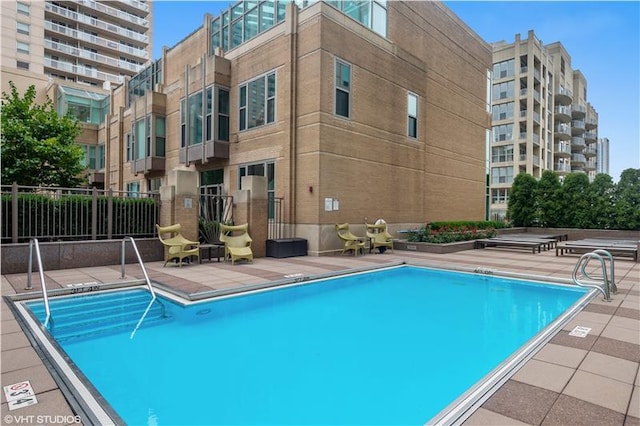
570	380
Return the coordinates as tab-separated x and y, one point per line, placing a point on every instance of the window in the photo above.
133	189
22	65
343	87
504	69
154	184
22	28
503	111
412	115
503	133
141	146
257	102
191	116
267	169
93	156
500	154
223	114
501	175
23	8
500	196
23	47
503	90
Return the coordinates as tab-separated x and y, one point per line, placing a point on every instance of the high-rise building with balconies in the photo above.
541	118
85	41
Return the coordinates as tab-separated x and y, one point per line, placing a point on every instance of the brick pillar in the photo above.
179	202
250	205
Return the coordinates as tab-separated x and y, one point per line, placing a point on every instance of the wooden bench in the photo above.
582	248
497	242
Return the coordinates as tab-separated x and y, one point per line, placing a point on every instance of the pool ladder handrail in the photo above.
34	243
605	283
146	277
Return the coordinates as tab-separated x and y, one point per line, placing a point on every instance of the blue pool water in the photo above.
386	347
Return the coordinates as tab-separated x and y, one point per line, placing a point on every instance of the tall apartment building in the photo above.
540	116
602	156
85	41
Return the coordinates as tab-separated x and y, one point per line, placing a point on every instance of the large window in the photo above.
257	100
22	28
93	156
197	116
23	47
500	196
144	142
86	106
503	111
412	115
500	154
372	14
144	81
504	69
23	8
501	175
503	133
503	90
343	88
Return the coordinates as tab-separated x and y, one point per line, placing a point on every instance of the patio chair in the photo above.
351	242
177	247
237	242
379	237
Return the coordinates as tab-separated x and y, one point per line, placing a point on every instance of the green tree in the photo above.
572	201
521	209
627	200
546	199
601	212
38	147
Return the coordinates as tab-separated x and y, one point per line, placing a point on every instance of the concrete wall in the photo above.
78	254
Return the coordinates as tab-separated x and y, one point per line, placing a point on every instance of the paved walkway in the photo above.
570	381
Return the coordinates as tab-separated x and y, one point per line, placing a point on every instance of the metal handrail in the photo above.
612	282
144	270
146	277
34	242
580	267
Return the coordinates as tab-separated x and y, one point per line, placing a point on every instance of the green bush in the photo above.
451	232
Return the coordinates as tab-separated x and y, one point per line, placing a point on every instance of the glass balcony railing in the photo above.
563	110
577	141
578	158
562	148
562	167
578	124
591	136
563	128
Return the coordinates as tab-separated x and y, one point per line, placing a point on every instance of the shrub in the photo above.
451	232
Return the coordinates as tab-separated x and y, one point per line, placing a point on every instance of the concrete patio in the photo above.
571	381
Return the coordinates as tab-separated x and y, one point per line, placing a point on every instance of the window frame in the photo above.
411	95
269	103
341	88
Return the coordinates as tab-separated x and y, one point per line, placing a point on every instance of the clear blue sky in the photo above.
603	39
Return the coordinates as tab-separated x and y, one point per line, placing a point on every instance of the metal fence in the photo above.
54	214
276	226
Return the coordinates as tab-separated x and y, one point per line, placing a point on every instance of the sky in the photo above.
602	38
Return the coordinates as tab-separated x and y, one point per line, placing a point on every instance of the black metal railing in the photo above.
54	214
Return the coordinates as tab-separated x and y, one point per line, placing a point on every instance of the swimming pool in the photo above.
397	345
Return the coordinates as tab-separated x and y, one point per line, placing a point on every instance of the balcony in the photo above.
591	164
578	124
591	136
82	70
137	4
204	152
112	11
590	151
97	23
577	143
99	41
578	111
564	96
95	57
562	167
562	150
578	159
591	123
562	113
563	131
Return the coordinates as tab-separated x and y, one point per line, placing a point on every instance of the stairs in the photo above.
88	316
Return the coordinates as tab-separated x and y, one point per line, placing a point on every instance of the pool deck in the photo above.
593	380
